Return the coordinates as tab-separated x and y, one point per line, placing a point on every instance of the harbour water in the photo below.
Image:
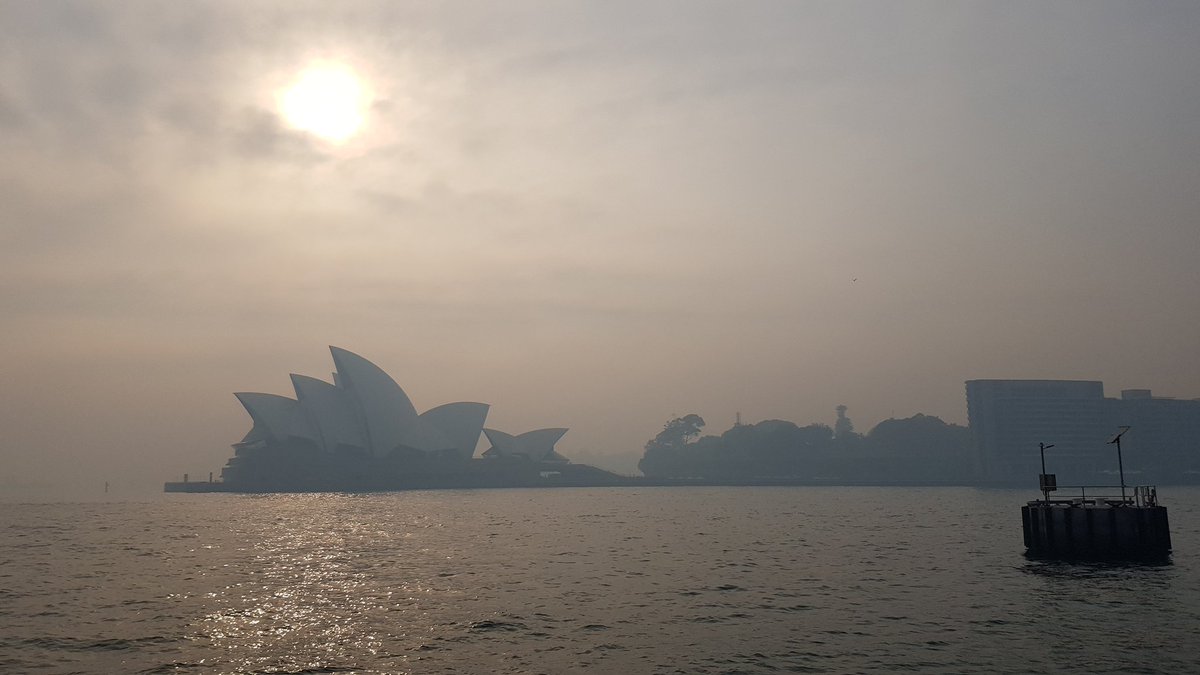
616	580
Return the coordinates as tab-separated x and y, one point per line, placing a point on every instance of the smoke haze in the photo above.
597	216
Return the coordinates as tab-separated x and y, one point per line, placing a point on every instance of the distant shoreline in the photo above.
595	478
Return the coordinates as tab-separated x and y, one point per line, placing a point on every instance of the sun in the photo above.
327	100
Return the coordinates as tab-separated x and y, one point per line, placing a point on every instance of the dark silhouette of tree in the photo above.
921	447
680	431
771	449
665	453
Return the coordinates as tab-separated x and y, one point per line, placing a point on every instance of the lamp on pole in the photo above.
1120	464
1044	484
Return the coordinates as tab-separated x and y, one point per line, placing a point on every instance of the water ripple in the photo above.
696	580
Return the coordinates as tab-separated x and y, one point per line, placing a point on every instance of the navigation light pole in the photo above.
1120	464
1043	483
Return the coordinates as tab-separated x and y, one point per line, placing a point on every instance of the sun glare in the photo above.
328	101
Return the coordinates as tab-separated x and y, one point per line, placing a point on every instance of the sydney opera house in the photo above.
362	432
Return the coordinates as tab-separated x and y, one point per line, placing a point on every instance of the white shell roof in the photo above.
388	413
331	411
279	416
460	423
538	444
365	408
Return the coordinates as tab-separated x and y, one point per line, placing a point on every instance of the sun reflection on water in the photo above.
314	594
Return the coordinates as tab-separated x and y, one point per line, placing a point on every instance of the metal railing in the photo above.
1097	495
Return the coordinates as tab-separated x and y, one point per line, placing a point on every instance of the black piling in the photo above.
1097	527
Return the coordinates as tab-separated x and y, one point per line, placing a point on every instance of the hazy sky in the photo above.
594	215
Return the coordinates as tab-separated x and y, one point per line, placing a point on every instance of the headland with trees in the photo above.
921	449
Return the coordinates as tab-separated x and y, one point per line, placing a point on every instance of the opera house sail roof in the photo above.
364	418
331	411
537	445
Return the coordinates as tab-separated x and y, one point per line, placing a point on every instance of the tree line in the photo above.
921	448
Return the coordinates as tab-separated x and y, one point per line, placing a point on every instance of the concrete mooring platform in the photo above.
1097	526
